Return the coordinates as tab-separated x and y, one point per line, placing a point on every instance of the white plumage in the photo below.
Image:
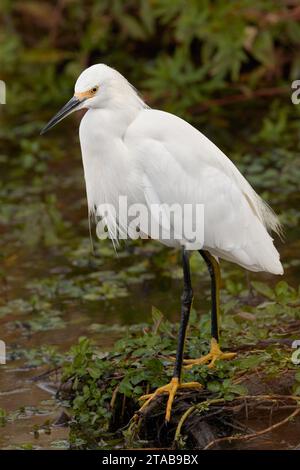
153	157
150	156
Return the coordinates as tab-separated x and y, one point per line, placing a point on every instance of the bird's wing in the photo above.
180	165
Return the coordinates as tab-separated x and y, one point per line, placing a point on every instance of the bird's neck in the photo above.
105	156
109	122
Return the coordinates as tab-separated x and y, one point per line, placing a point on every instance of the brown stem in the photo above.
253	435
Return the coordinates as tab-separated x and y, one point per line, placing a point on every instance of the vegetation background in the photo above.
225	66
192	57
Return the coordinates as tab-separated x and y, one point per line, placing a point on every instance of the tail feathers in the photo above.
259	207
259	252
269	218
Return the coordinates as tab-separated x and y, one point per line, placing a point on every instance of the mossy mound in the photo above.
102	390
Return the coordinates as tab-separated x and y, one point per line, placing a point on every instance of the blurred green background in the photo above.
194	57
225	66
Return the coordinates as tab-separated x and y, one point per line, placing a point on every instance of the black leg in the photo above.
214	271
175	383
186	303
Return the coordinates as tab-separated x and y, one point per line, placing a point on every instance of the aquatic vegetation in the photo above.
103	389
232	83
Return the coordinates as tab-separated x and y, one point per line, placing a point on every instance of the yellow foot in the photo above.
214	355
171	389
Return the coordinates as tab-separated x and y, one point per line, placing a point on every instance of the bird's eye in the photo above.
93	90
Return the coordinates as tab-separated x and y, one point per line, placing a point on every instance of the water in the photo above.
48	266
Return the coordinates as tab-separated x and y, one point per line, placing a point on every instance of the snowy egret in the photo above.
153	156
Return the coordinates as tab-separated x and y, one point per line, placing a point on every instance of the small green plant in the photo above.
2	417
104	388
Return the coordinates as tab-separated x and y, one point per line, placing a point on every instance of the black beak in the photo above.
65	111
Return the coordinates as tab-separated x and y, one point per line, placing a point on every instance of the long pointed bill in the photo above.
69	107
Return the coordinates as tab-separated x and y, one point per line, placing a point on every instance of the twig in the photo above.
263	92
44	374
123	406
236	425
183	418
254	435
114	396
217	401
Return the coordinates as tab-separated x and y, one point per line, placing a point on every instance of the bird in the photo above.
156	158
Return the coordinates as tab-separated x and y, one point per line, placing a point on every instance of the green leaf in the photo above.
263	289
214	386
133	27
297	376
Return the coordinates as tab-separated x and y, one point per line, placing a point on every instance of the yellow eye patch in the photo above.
87	94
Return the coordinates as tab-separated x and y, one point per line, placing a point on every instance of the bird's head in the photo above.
99	86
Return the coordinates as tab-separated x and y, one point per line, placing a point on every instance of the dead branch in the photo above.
254	435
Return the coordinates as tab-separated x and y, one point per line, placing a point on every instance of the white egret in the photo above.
152	156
